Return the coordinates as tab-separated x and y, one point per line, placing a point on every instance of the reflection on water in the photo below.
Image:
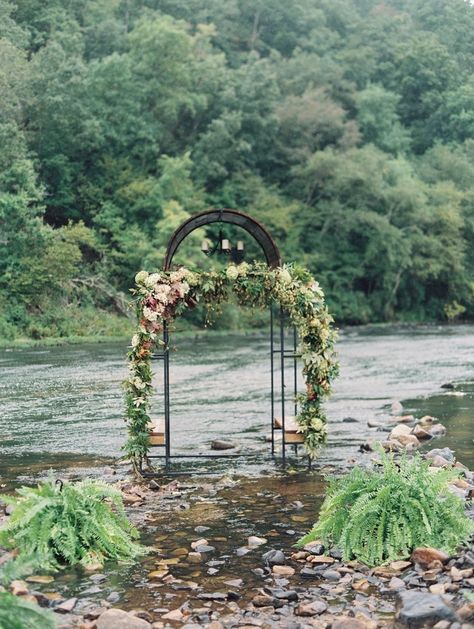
65	403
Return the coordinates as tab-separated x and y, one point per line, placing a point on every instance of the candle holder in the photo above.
223	246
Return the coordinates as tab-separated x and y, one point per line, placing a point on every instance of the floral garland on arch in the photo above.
163	296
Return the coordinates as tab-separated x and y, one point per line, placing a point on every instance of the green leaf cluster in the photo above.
16	613
381	514
80	523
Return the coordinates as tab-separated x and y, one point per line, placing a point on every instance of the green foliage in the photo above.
334	122
381	514
16	613
81	523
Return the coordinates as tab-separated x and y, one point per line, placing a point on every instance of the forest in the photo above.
345	126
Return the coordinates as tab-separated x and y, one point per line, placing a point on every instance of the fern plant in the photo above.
17	613
82	523
381	514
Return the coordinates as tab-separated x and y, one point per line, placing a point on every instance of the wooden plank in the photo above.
294	437
291	425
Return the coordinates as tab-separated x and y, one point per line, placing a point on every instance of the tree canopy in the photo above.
346	126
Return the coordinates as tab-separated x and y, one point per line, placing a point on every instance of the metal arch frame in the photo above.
273	258
224	215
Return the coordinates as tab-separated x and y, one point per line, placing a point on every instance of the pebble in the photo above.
218	444
254	541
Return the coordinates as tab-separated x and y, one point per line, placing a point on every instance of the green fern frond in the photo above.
380	515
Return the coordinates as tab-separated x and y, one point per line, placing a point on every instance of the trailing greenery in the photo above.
54	525
161	297
345	126
17	613
381	514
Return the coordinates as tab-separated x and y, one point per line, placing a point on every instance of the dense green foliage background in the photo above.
346	126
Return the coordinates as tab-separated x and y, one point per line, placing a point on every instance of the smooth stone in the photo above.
66	607
119	619
204	548
19	588
408	440
212	596
254	541
315	608
396	407
315	548
352	623
350	420
286	571
335	553
308	573
242	551
274	557
113	597
437	429
421	434
419	609
396	584
263	600
425	556
201	529
174	614
400	429
448	385
331	575
218	444
446	453
439	461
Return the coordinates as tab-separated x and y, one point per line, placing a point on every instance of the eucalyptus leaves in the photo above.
164	296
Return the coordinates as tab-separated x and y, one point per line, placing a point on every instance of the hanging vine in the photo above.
163	296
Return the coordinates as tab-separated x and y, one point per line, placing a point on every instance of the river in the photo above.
62	406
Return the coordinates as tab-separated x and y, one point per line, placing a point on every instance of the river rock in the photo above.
66	607
315	608
466	612
419	609
425	556
19	588
218	444
400	429
119	619
274	557
437	429
408	440
285	571
254	541
446	453
421	434
314	548
396	407
353	623
439	461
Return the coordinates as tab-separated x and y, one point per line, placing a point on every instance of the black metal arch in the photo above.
224	215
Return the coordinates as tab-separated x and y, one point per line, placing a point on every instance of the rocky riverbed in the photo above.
222	555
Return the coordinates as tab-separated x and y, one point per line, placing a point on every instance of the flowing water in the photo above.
62	407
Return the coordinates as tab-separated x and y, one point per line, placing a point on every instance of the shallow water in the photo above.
63	405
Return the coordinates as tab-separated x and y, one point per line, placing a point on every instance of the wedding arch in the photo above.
161	297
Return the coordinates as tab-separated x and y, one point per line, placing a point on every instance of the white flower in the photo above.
161	292
135	340
232	272
243	269
150	314
152	279
138	383
141	276
284	275
316	288
138	401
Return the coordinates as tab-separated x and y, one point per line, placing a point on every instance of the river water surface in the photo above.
63	405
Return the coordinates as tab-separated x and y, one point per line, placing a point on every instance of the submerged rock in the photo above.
274	557
219	444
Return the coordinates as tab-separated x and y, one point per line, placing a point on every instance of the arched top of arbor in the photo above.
253	227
